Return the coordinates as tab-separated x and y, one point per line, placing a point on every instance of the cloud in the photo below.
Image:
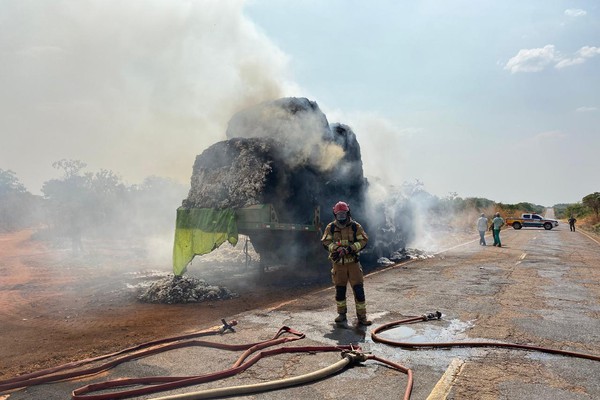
535	60
575	12
581	56
532	60
586	109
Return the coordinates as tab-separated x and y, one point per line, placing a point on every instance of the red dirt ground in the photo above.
57	307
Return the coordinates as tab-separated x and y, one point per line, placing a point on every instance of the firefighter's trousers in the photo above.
342	274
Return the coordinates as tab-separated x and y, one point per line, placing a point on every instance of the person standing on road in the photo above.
497	224
572	221
482	224
344	238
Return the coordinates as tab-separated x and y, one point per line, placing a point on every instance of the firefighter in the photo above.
344	238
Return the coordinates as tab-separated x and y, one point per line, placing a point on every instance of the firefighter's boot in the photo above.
361	307
341	318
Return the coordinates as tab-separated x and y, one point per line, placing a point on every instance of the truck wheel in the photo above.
517	225
547	226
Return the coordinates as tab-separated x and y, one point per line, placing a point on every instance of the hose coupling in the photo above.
227	326
430	316
355	356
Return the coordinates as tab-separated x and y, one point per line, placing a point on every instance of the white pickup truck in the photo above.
532	220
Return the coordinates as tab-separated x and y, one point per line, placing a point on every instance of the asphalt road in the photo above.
542	288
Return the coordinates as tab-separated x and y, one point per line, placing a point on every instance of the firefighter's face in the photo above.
341	216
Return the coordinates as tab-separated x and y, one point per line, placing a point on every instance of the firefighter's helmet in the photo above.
341	212
340	206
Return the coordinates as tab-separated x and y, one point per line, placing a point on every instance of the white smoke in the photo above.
138	87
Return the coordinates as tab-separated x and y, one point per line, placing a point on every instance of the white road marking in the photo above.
591	238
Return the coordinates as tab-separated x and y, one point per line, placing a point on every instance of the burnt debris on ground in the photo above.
403	255
185	289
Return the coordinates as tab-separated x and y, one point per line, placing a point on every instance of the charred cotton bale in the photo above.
286	154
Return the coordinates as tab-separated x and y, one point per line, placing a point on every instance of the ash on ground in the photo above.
403	255
184	289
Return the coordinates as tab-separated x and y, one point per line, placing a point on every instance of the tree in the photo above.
70	167
593	202
18	208
9	183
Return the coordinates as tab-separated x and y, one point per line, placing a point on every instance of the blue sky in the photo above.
489	99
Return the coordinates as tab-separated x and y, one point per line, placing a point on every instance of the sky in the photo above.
479	99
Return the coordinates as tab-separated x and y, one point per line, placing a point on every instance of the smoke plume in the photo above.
136	87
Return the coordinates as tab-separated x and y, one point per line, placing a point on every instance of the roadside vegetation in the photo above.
79	205
587	212
462	213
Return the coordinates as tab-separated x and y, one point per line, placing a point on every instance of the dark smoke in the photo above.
286	153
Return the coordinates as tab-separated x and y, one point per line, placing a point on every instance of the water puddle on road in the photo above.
436	331
426	332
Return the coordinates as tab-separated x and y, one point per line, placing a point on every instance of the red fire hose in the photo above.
350	355
48	375
57	373
438	315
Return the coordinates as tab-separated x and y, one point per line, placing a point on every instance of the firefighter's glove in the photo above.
342	251
350	250
335	256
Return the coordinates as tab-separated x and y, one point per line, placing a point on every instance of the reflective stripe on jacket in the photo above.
344	236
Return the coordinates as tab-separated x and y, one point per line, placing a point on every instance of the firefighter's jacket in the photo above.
336	235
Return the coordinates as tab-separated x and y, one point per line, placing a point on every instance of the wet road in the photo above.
542	288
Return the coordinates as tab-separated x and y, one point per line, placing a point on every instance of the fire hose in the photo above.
438	315
350	355
51	374
143	350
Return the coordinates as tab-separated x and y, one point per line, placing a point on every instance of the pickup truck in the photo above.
532	220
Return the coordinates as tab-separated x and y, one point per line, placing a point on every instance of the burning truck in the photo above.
275	180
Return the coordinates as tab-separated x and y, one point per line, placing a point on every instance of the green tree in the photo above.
9	183
593	202
18	208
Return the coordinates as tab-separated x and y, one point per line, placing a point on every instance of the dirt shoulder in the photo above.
57	307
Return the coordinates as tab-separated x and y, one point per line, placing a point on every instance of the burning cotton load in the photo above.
284	153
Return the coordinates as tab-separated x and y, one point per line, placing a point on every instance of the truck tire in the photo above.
516	225
547	226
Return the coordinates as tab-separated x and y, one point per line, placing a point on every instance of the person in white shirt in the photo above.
482	226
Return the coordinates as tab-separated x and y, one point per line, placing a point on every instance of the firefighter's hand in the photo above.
335	256
350	250
342	251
